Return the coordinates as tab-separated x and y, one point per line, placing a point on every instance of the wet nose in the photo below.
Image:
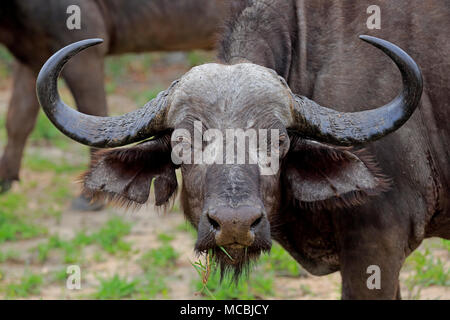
235	226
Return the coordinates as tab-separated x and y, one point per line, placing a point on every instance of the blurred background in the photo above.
144	254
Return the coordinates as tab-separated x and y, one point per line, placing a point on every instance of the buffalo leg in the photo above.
371	248
398	296
21	118
84	76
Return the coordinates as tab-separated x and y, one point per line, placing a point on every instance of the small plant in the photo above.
446	244
9	255
196	58
258	284
151	285
109	237
306	290
12	225
6	60
28	285
40	163
187	227
45	131
165	238
115	288
163	257
71	249
60	275
281	262
204	271
427	270
141	98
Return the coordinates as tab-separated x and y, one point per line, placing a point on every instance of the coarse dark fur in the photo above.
325	62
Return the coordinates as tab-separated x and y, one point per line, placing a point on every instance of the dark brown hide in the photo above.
313	44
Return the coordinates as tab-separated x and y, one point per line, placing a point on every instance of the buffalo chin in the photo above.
236	261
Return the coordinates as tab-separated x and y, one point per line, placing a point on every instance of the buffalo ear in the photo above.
322	176
125	175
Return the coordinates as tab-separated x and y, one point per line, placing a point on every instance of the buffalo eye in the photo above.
283	144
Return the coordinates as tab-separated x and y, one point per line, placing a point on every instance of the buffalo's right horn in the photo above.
358	128
94	131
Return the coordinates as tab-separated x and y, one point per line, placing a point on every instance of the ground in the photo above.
146	253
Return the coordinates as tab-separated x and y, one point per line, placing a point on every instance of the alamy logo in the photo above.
374	20
374	281
74	279
73	22
238	146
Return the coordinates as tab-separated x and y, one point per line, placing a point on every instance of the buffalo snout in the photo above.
236	227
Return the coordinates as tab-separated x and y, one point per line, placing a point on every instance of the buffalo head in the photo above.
232	204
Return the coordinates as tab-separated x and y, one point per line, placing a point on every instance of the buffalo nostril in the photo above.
213	222
256	222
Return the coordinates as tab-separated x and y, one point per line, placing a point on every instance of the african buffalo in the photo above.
33	30
331	206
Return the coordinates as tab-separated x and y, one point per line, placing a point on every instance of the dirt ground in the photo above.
146	224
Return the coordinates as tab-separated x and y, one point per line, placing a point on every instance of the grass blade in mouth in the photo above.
228	255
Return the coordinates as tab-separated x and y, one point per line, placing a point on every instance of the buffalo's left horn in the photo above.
356	128
100	132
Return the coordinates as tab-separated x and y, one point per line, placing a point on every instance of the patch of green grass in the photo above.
145	287
6	61
258	285
12	224
151	285
115	288
70	249
8	255
306	290
165	238
40	163
281	262
156	264
187	227
2	130
110	87
446	244
60	275
98	257
176	207
141	98
62	193
196	58
259	282
109	238
117	67
428	270
44	130
162	257
29	285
